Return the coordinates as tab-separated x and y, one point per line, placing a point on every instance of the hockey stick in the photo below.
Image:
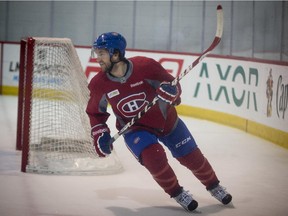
215	42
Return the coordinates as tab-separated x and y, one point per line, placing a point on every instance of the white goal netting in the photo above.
59	128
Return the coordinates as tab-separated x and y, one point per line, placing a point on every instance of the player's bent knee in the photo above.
154	157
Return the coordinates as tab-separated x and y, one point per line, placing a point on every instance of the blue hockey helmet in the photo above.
111	41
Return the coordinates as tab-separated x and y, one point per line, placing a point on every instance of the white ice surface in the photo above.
253	170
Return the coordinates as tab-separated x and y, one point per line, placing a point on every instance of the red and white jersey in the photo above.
130	94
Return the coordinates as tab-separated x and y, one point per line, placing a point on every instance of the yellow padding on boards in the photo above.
10	90
276	136
43	93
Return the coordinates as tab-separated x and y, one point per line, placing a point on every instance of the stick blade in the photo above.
220	23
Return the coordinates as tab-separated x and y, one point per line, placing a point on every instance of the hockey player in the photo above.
128	85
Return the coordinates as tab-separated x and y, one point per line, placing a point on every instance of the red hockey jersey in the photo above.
130	94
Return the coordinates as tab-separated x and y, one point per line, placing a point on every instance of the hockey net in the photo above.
53	129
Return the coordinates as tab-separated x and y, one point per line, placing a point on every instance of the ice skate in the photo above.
221	194
186	201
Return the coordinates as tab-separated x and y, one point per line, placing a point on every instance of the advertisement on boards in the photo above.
252	90
10	65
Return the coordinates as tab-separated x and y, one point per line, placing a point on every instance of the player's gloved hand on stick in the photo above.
101	135
168	93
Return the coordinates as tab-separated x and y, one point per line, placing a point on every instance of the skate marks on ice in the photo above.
149	202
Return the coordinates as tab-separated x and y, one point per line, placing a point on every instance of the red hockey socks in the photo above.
200	167
155	160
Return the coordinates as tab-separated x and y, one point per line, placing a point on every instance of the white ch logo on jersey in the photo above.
132	104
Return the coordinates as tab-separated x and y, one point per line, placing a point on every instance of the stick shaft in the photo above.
215	42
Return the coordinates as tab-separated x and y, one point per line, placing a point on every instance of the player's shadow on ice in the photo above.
156	200
164	210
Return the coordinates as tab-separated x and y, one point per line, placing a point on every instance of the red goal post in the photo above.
53	129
